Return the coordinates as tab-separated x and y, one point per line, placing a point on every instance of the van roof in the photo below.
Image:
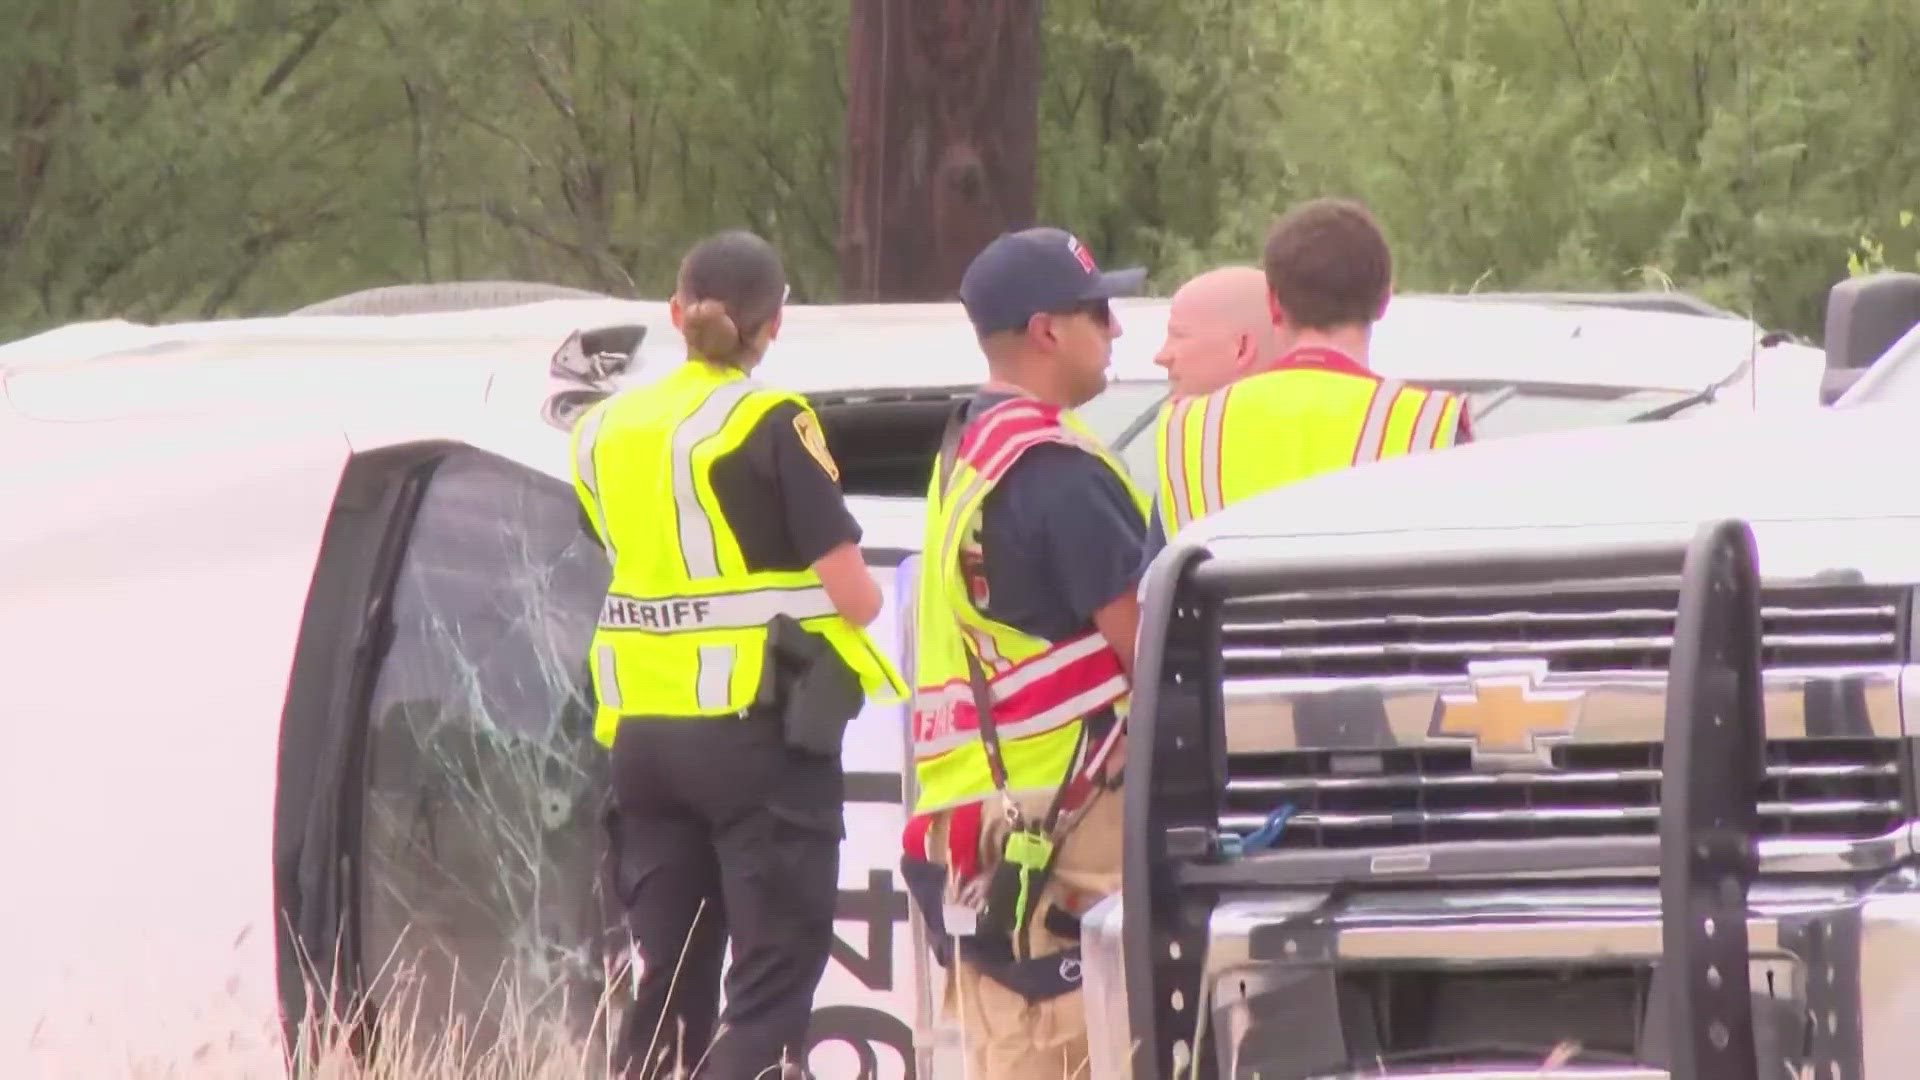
821	348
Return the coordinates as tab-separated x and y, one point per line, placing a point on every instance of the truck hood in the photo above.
1807	482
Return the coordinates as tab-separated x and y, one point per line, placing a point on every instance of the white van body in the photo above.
170	497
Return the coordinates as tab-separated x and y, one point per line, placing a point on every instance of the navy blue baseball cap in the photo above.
1022	274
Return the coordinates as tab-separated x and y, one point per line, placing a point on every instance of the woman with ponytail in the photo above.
733	552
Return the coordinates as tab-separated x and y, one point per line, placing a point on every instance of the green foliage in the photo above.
185	158
1869	255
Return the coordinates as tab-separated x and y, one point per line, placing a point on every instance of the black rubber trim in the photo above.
344	631
1713	766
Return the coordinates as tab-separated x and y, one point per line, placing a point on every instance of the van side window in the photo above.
481	831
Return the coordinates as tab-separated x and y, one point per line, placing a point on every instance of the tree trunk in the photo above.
943	101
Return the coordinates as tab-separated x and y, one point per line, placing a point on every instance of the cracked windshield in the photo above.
962	540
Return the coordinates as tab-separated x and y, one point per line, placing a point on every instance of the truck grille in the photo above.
1815	788
1438	633
1826	788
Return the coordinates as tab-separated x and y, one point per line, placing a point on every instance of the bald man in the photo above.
1219	329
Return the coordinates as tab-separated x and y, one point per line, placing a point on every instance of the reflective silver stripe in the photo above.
1426	426
721	611
1212	433
697	548
603	662
989	649
1210	466
589	474
1175	446
1373	432
713	686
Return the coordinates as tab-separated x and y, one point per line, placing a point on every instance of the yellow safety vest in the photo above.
1039	690
1286	424
682	631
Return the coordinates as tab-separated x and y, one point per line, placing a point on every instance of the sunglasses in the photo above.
1100	311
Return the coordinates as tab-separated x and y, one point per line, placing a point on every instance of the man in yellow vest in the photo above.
1024	630
1318	407
729	656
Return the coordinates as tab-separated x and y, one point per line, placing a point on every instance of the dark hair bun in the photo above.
709	330
732	285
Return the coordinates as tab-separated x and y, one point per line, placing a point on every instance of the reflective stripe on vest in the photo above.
1285	425
1064	683
682	629
732	611
1039	690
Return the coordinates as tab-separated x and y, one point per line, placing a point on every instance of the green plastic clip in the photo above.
1030	851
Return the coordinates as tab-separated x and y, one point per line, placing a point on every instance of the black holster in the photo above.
809	686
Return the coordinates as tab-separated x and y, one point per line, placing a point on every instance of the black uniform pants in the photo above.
719	830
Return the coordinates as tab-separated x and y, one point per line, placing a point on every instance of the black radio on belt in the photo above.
810	686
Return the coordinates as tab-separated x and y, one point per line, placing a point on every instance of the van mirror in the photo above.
597	355
1866	315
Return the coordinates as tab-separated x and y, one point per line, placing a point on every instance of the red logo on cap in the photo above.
1081	253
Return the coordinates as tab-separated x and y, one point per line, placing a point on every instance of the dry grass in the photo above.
395	1034
517	1037
403	1041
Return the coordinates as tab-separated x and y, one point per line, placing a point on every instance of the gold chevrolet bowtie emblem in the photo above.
1505	713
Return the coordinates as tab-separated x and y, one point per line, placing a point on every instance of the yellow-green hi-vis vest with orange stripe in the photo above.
682	632
1294	421
1039	690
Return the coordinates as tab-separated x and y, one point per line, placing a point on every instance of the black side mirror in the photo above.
1866	315
595	356
561	410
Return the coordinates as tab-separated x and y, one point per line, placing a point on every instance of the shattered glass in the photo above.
482	835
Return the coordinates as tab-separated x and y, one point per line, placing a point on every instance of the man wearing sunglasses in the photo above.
1025	620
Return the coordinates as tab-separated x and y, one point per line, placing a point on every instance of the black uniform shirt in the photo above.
785	508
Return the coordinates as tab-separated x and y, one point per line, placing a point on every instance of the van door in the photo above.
441	809
438	837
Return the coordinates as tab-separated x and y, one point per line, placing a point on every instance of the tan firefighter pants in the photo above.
1005	1036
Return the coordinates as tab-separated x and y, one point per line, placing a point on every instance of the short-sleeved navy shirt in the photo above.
1060	536
782	504
1156	537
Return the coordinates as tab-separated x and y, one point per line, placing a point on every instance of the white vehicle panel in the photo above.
164	502
1634	482
848	346
148	622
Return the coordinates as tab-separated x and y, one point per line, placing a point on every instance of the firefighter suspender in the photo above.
1017	882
